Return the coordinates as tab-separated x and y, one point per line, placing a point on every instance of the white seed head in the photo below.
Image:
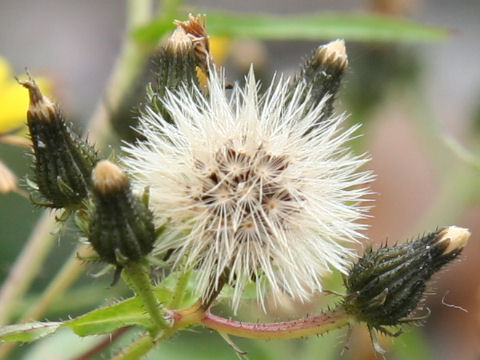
252	184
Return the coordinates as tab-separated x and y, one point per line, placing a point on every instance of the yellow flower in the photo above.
14	99
219	48
13	104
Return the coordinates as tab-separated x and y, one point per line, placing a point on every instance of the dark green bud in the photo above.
63	160
386	285
121	226
322	72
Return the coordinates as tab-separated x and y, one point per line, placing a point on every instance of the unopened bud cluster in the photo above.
386	285
67	170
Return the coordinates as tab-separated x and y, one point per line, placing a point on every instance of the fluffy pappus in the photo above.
252	184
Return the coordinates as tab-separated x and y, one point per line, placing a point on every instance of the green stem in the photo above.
179	291
137	349
137	278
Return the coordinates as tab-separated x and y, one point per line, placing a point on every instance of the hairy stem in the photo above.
137	349
314	325
180	287
137	278
195	315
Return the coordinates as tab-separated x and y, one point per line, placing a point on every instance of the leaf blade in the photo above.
28	332
350	26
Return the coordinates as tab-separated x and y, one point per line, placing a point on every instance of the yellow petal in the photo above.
219	47
14	99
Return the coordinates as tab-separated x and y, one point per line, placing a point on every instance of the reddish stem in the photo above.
318	324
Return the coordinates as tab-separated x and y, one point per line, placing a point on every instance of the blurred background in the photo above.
419	104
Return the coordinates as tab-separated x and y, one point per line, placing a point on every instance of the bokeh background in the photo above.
420	108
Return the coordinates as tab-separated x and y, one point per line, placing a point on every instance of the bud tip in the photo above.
179	40
456	237
39	103
108	177
334	53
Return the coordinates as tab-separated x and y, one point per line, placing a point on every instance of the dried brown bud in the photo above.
194	27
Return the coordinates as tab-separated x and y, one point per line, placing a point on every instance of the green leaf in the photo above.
27	332
350	26
153	31
110	318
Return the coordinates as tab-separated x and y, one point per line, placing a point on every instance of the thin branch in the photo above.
102	345
27	265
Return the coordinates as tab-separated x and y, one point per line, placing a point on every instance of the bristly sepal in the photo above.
121	227
63	159
386	285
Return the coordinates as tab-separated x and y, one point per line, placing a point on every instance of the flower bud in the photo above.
323	72
121	226
185	50
386	285
166	69
63	160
